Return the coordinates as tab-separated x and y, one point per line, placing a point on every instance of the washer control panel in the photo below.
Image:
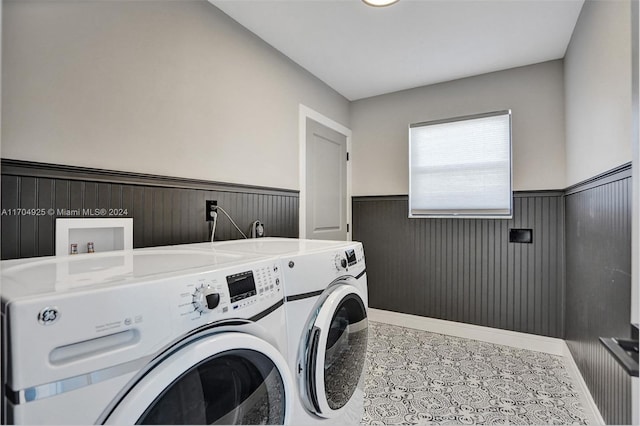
222	294
268	282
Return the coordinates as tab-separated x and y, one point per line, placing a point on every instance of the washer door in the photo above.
227	378
336	351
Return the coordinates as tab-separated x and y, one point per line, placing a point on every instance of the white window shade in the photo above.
461	167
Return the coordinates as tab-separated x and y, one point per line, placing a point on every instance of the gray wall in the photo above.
165	210
597	83
466	270
173	88
598	280
598	220
534	93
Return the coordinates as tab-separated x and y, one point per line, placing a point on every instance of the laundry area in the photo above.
319	212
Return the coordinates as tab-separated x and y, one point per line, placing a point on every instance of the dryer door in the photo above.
335	351
226	378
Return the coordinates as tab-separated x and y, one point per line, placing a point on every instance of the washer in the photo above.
144	336
326	308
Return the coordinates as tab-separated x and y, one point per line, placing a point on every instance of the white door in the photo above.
326	183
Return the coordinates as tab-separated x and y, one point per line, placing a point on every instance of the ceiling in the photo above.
362	51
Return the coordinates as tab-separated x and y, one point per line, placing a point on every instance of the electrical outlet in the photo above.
211	206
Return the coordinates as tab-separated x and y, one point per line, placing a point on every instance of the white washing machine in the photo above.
144	336
326	308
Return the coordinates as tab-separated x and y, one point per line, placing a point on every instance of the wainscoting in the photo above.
573	282
598	282
164	210
466	270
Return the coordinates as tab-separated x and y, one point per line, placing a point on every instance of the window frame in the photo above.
457	213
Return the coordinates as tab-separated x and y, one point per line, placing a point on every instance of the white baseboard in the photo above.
514	339
585	395
497	336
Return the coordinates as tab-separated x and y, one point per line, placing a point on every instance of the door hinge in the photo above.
347	156
347	227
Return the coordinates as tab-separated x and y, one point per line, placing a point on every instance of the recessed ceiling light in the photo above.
380	3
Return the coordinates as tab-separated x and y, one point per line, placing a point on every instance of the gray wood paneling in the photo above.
164	210
466	270
10	223
598	285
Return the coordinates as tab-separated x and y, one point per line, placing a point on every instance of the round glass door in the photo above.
232	388
336	351
345	351
226	378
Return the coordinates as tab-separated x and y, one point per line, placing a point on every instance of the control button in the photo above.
291	264
343	263
277	281
213	300
275	269
205	299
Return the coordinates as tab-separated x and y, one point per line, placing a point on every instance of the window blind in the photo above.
461	167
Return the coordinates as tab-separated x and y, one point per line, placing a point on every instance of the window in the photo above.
461	167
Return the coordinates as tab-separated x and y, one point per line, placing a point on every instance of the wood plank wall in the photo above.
164	210
465	269
573	282
598	281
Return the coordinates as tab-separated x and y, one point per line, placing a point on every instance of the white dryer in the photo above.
325	288
144	336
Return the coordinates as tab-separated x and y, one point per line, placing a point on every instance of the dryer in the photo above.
144	336
325	288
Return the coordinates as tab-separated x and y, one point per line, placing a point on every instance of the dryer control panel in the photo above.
348	258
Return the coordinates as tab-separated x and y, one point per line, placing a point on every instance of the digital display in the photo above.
241	286
351	257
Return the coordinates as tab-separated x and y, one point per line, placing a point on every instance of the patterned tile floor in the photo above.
417	377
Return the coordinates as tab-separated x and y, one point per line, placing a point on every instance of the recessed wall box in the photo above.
105	234
521	236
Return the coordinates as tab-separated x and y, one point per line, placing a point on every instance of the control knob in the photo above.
341	262
205	299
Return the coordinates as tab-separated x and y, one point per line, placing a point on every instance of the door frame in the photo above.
305	112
